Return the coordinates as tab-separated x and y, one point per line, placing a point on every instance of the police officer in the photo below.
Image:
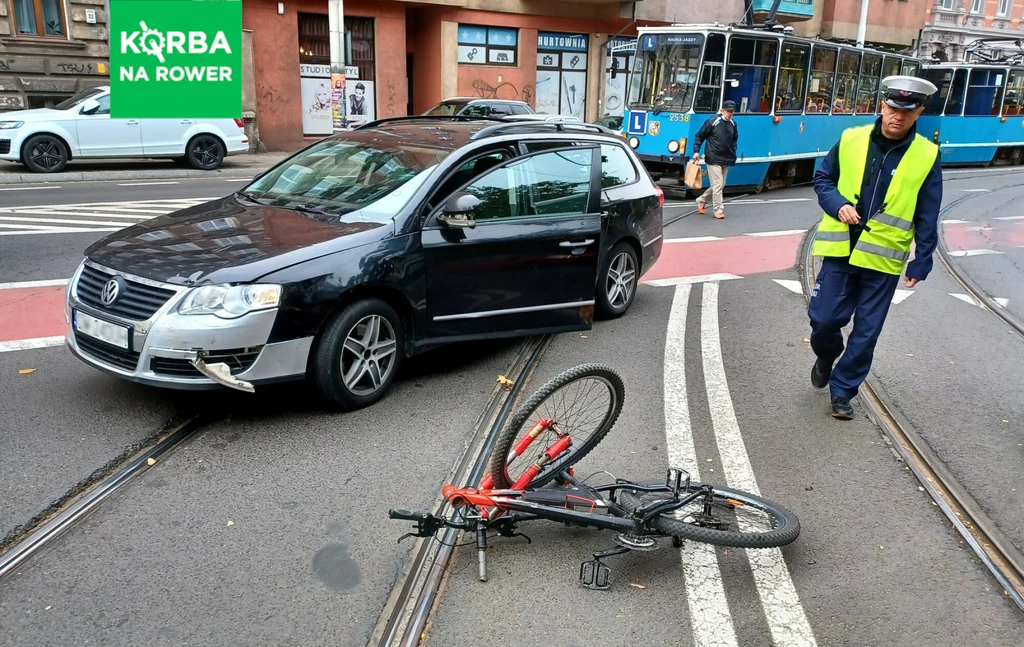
880	188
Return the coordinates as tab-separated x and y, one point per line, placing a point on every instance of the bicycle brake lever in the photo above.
406	535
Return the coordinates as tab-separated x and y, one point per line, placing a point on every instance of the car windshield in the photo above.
665	76
446	108
340	176
77	99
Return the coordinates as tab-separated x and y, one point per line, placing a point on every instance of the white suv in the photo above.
80	127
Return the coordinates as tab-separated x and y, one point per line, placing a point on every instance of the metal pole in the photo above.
336	26
862	29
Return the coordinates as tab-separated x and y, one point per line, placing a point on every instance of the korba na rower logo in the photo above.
157	44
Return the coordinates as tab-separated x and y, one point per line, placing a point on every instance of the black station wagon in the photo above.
370	246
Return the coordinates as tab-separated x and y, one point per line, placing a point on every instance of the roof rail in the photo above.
377	122
539	126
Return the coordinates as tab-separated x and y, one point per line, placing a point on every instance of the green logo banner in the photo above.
175	59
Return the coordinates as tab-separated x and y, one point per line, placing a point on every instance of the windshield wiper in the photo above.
249	196
312	208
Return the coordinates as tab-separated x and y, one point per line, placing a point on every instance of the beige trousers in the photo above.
716	174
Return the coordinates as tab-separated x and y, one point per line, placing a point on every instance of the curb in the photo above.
142	174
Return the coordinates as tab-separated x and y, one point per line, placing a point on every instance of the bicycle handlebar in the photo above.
411	516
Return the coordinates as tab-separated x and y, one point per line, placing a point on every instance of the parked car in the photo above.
45	139
477	107
368	247
543	117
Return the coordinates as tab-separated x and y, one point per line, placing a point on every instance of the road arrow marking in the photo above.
1001	301
901	296
703	278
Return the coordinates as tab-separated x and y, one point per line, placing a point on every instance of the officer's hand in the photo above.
909	282
848	215
696	157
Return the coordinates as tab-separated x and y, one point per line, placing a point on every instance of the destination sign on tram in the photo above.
651	41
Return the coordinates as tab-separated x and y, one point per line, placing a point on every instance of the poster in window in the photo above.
315	92
360	102
574	89
547	91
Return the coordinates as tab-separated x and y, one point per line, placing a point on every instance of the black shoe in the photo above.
841	408
820	373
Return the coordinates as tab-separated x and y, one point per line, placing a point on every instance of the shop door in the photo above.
562	73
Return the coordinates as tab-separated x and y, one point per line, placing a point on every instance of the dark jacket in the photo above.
721	136
878	172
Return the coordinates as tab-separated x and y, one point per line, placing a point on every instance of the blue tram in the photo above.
977	116
793	95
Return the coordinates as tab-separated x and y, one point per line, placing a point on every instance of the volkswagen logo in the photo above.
111	291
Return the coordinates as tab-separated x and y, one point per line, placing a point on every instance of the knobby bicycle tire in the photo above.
786	527
496	466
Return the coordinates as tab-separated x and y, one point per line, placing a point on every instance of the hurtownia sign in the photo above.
176	59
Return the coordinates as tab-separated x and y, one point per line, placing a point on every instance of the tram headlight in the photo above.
673	146
634	142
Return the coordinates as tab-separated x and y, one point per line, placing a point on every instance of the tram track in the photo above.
415	593
992	547
30	538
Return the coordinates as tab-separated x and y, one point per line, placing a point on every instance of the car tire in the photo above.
45	154
204	152
621	261
338	378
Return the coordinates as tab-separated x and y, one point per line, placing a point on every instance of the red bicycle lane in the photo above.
35	311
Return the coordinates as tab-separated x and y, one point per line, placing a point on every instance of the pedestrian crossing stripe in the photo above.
86	217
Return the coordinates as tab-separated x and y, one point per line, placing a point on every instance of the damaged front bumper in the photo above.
193	352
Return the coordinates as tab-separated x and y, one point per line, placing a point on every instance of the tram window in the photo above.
910	68
984	92
823	72
891	67
1013	104
941	78
751	66
709	89
955	105
666	78
867	90
846	83
792	77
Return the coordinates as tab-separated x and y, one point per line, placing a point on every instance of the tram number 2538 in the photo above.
675	116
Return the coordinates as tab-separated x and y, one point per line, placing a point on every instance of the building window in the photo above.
480	45
976	6
947	5
39	17
1004	7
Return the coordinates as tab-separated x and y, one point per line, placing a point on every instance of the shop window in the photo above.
479	45
561	85
39	17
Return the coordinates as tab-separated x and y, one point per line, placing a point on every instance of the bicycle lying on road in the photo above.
640	512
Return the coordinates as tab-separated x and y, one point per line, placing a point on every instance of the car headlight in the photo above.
230	301
11	125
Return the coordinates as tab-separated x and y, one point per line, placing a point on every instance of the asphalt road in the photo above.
270	527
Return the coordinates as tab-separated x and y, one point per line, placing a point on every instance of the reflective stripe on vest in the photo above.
886	246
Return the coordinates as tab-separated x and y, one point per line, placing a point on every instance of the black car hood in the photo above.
229	239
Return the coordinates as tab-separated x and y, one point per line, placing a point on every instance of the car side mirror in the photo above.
90	107
460	211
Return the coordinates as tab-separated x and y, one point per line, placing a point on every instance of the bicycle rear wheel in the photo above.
585	397
738	519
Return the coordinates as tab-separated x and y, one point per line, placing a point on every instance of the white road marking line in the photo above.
1002	301
974	252
21	226
145	183
792	286
693	239
33	284
689	280
901	295
27	344
117	203
30	188
784	232
79	214
130	210
249	179
705	594
59	230
1010	218
966	298
955	222
975	190
782	608
65	221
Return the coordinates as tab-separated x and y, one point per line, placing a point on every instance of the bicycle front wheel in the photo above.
583	402
738	519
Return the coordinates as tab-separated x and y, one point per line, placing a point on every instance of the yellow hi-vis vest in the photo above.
886	247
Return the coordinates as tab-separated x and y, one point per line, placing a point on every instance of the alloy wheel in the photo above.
204	151
368	355
621	280
46	154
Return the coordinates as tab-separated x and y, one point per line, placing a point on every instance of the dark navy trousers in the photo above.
843	291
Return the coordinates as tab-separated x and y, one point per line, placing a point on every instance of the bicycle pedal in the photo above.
595	575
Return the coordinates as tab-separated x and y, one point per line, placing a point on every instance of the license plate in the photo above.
102	330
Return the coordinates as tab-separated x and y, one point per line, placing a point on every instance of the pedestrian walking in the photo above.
880	188
720	134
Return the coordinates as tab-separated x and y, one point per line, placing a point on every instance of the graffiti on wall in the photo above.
390	107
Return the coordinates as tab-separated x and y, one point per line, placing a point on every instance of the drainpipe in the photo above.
862	29
336	25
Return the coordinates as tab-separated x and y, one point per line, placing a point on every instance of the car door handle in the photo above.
186	121
568	243
133	122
